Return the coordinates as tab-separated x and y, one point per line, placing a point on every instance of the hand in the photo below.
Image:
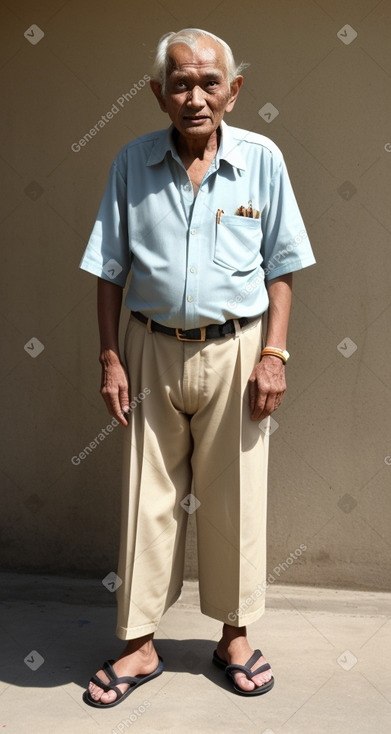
266	387
115	391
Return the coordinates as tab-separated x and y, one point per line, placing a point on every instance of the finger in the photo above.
124	399
277	402
259	406
114	407
279	399
121	417
119	412
267	408
251	394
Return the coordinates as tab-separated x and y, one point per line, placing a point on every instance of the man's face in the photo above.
197	90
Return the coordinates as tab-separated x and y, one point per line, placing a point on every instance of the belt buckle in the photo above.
185	339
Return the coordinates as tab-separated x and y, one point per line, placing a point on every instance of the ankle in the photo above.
232	633
143	645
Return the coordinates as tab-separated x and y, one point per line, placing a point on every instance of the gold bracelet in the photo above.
275	352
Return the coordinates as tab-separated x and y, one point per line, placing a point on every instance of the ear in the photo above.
235	89
157	90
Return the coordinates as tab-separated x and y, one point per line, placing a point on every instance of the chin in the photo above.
205	129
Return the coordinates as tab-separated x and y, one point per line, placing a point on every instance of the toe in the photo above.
98	694
108	697
243	682
94	691
262	678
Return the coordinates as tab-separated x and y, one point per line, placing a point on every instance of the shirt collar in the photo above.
228	148
162	145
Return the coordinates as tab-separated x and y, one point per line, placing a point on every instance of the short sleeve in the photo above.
107	254
285	244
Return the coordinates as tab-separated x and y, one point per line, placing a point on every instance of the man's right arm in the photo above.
114	385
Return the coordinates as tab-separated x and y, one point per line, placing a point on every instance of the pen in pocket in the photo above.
249	212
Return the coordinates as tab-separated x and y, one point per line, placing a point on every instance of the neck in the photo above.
204	149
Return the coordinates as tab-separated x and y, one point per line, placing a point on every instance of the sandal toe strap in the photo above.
98	682
106	686
114	680
248	673
254	657
109	670
238	669
261	669
129	680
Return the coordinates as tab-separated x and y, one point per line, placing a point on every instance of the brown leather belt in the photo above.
212	331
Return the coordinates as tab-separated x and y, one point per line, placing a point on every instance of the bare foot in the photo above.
138	658
234	648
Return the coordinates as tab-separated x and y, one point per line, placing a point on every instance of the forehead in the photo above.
206	55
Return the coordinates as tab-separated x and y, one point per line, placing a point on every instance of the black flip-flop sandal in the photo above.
132	681
246	669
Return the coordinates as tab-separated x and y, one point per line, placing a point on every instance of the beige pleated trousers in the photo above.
190	424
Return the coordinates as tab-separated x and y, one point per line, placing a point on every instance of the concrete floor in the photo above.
330	651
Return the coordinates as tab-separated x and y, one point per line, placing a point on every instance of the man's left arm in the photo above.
267	381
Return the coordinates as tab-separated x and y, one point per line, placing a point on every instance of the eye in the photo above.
178	85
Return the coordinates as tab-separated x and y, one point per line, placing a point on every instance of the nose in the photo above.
196	97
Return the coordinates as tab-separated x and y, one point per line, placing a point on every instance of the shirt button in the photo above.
190	299
192	270
187	187
193	231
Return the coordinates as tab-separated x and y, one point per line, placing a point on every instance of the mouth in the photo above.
196	119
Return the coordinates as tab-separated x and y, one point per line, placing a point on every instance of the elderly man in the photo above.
204	218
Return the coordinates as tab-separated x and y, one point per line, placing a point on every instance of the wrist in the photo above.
109	357
271	351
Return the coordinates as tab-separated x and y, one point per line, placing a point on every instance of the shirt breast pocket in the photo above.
238	243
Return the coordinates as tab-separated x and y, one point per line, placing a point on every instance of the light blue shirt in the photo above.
190	267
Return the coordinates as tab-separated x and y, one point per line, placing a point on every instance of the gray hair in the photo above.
190	36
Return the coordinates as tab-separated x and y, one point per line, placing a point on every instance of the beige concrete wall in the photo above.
329	471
